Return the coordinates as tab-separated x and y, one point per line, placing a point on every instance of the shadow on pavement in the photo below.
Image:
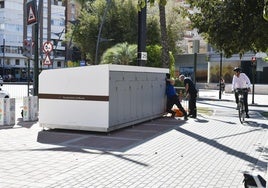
256	124
218	105
118	140
80	150
214	119
6	127
25	124
261	165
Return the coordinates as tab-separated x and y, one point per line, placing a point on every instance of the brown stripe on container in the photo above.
73	97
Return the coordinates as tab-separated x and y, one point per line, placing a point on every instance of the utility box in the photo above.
30	108
7	111
100	97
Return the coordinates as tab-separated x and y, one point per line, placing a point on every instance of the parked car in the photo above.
3	94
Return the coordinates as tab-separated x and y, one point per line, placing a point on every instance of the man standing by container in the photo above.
191	94
172	99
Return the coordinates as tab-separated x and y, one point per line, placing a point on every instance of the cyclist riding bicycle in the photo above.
241	81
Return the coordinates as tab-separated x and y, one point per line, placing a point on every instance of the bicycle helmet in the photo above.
237	69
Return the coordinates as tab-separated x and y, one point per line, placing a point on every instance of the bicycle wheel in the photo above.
242	113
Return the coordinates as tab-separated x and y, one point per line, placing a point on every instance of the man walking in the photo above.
191	94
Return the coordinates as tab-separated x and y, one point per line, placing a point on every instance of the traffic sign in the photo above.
47	47
27	48
47	60
31	12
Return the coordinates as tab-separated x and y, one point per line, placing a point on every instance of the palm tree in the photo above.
164	38
122	54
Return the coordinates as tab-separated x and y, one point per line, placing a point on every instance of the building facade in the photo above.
53	17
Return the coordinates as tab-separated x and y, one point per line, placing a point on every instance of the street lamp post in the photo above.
100	29
220	83
142	55
3	65
56	41
68	51
254	66
196	46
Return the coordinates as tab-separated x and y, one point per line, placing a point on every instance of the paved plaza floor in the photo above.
213	150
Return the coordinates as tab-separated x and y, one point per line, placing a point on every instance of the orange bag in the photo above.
178	112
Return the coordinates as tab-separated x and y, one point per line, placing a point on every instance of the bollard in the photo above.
7	111
30	108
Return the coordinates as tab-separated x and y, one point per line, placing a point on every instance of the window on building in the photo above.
58	64
17	62
2	4
55	2
7	61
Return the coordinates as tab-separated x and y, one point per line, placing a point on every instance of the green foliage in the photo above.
126	54
120	25
265	10
153	31
122	54
176	27
232	26
171	64
84	33
142	3
154	56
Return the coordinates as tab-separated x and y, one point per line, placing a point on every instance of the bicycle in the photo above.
241	105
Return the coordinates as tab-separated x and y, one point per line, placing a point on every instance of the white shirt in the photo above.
240	82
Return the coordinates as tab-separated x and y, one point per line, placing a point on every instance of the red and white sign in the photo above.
47	60
47	47
31	13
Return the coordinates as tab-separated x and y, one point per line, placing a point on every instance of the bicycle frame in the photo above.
241	106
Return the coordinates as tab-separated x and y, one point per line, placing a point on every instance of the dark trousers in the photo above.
174	100
192	104
245	96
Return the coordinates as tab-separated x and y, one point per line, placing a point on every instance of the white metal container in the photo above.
100	97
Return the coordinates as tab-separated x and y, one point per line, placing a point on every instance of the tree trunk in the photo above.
164	37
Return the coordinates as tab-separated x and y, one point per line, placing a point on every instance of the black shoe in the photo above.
192	116
189	115
185	117
247	116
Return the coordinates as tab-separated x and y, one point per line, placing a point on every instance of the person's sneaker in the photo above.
185	117
192	116
247	116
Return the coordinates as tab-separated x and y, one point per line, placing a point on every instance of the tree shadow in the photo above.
106	143
97	152
119	140
214	119
261	165
256	124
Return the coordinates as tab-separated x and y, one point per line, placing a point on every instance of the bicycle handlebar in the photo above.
241	91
